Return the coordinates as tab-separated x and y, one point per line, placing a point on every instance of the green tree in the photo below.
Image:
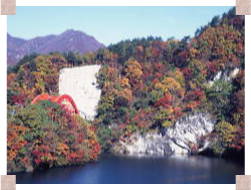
215	21
219	94
225	136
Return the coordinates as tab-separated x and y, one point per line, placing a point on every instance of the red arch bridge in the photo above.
65	100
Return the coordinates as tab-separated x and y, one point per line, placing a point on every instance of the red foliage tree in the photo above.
165	102
10	79
196	95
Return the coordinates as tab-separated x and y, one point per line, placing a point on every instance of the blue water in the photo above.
122	169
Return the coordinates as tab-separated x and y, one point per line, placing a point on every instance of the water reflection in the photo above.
120	169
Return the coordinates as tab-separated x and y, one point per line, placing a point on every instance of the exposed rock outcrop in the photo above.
227	76
183	138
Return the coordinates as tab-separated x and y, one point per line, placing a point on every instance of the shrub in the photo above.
225	136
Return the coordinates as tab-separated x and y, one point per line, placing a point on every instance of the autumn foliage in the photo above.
147	84
44	135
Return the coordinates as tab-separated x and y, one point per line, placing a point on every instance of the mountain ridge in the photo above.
69	40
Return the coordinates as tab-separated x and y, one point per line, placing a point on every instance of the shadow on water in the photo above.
121	169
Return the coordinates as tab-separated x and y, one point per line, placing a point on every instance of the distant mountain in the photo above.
12	46
70	40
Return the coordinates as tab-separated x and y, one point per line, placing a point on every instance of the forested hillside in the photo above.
147	84
150	83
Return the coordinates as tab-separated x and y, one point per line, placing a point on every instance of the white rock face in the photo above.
177	140
217	77
234	72
227	76
188	130
81	84
149	144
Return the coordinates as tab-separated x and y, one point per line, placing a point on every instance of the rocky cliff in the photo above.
184	137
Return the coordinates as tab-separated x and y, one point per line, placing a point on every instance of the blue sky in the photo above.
111	24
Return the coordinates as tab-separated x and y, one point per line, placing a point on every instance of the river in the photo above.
121	169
